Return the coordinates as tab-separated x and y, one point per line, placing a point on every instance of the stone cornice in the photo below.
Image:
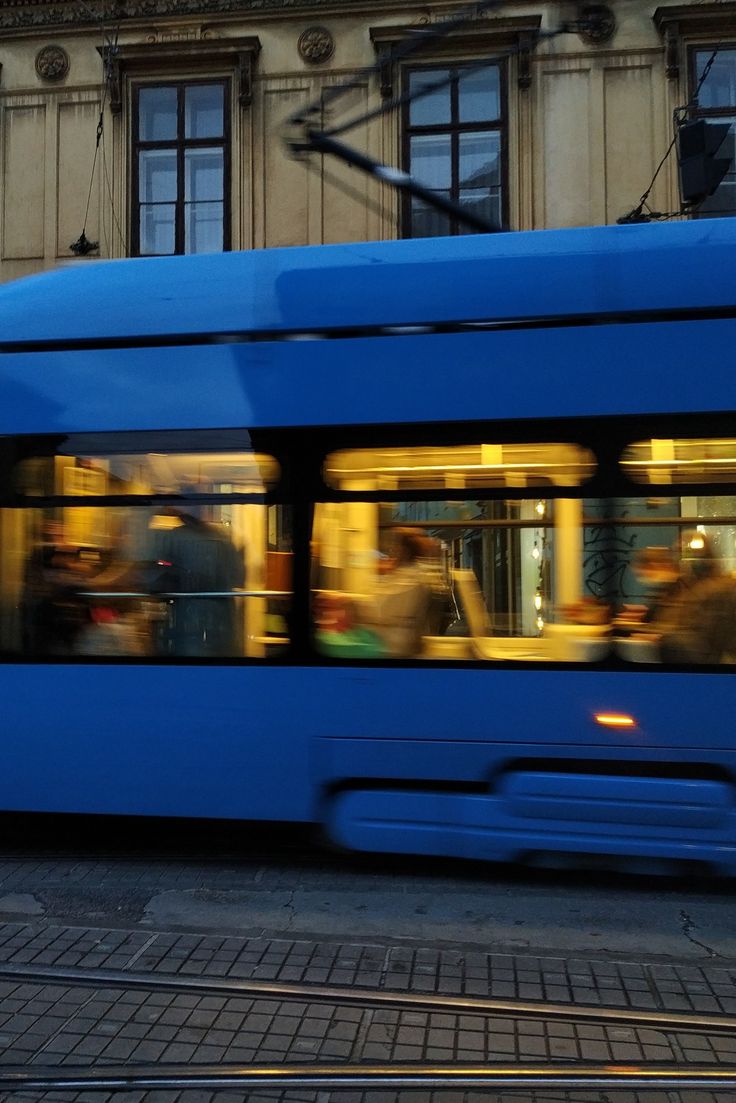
515	33
236	53
674	22
45	15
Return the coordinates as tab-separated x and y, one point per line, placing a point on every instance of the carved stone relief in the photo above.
52	63
316	45
20	14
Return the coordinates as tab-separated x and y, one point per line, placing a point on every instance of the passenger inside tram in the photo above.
520	569
495	552
206	577
393	619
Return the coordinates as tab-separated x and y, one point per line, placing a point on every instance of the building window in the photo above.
717	101
454	144
181	168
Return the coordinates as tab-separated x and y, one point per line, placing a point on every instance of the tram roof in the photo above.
545	274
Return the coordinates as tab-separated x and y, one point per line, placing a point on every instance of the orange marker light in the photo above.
615	720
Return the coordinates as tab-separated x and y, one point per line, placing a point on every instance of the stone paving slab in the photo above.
229	1096
371	1097
60	1024
706	988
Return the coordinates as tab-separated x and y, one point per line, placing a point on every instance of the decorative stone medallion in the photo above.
599	23
52	63
316	45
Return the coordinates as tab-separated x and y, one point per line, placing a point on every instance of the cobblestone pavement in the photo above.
61	1024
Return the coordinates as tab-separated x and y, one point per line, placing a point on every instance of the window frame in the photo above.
715	114
180	144
455	128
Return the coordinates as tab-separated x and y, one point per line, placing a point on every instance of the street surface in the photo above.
235	880
173	904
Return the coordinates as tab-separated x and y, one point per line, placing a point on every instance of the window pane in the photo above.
157	114
479	94
89	464
203	174
471	466
204	111
431	160
723	201
664	461
559	580
434	107
484	203
719	87
203	228
184	582
191	576
673	588
157	176
157	229
436	580
427	221
480	160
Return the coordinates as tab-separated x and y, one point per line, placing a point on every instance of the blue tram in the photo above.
432	542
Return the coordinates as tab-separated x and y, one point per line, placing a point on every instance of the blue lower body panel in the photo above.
500	827
481	762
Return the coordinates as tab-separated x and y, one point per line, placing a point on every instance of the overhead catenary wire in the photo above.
321	139
82	246
111	198
433	86
316	139
423	36
678	116
102	19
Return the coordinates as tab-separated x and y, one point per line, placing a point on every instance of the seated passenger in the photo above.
705	632
388	623
692	615
666	589
340	635
398	610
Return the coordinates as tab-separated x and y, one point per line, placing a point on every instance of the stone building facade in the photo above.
159	126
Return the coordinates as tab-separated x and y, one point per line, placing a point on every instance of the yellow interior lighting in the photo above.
472	465
615	720
681	460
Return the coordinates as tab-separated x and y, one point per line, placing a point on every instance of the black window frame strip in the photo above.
379	330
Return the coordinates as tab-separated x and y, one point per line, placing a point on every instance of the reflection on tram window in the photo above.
190	579
459	467
664	461
536	579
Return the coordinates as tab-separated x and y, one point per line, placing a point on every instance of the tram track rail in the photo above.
358	1076
370	998
115	1078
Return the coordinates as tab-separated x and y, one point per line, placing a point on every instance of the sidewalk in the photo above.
51	1023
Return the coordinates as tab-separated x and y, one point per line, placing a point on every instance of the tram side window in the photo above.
538	577
199	569
473	575
679	548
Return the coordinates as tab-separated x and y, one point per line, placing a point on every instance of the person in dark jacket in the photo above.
201	560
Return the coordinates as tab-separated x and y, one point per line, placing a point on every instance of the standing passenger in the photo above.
200	559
